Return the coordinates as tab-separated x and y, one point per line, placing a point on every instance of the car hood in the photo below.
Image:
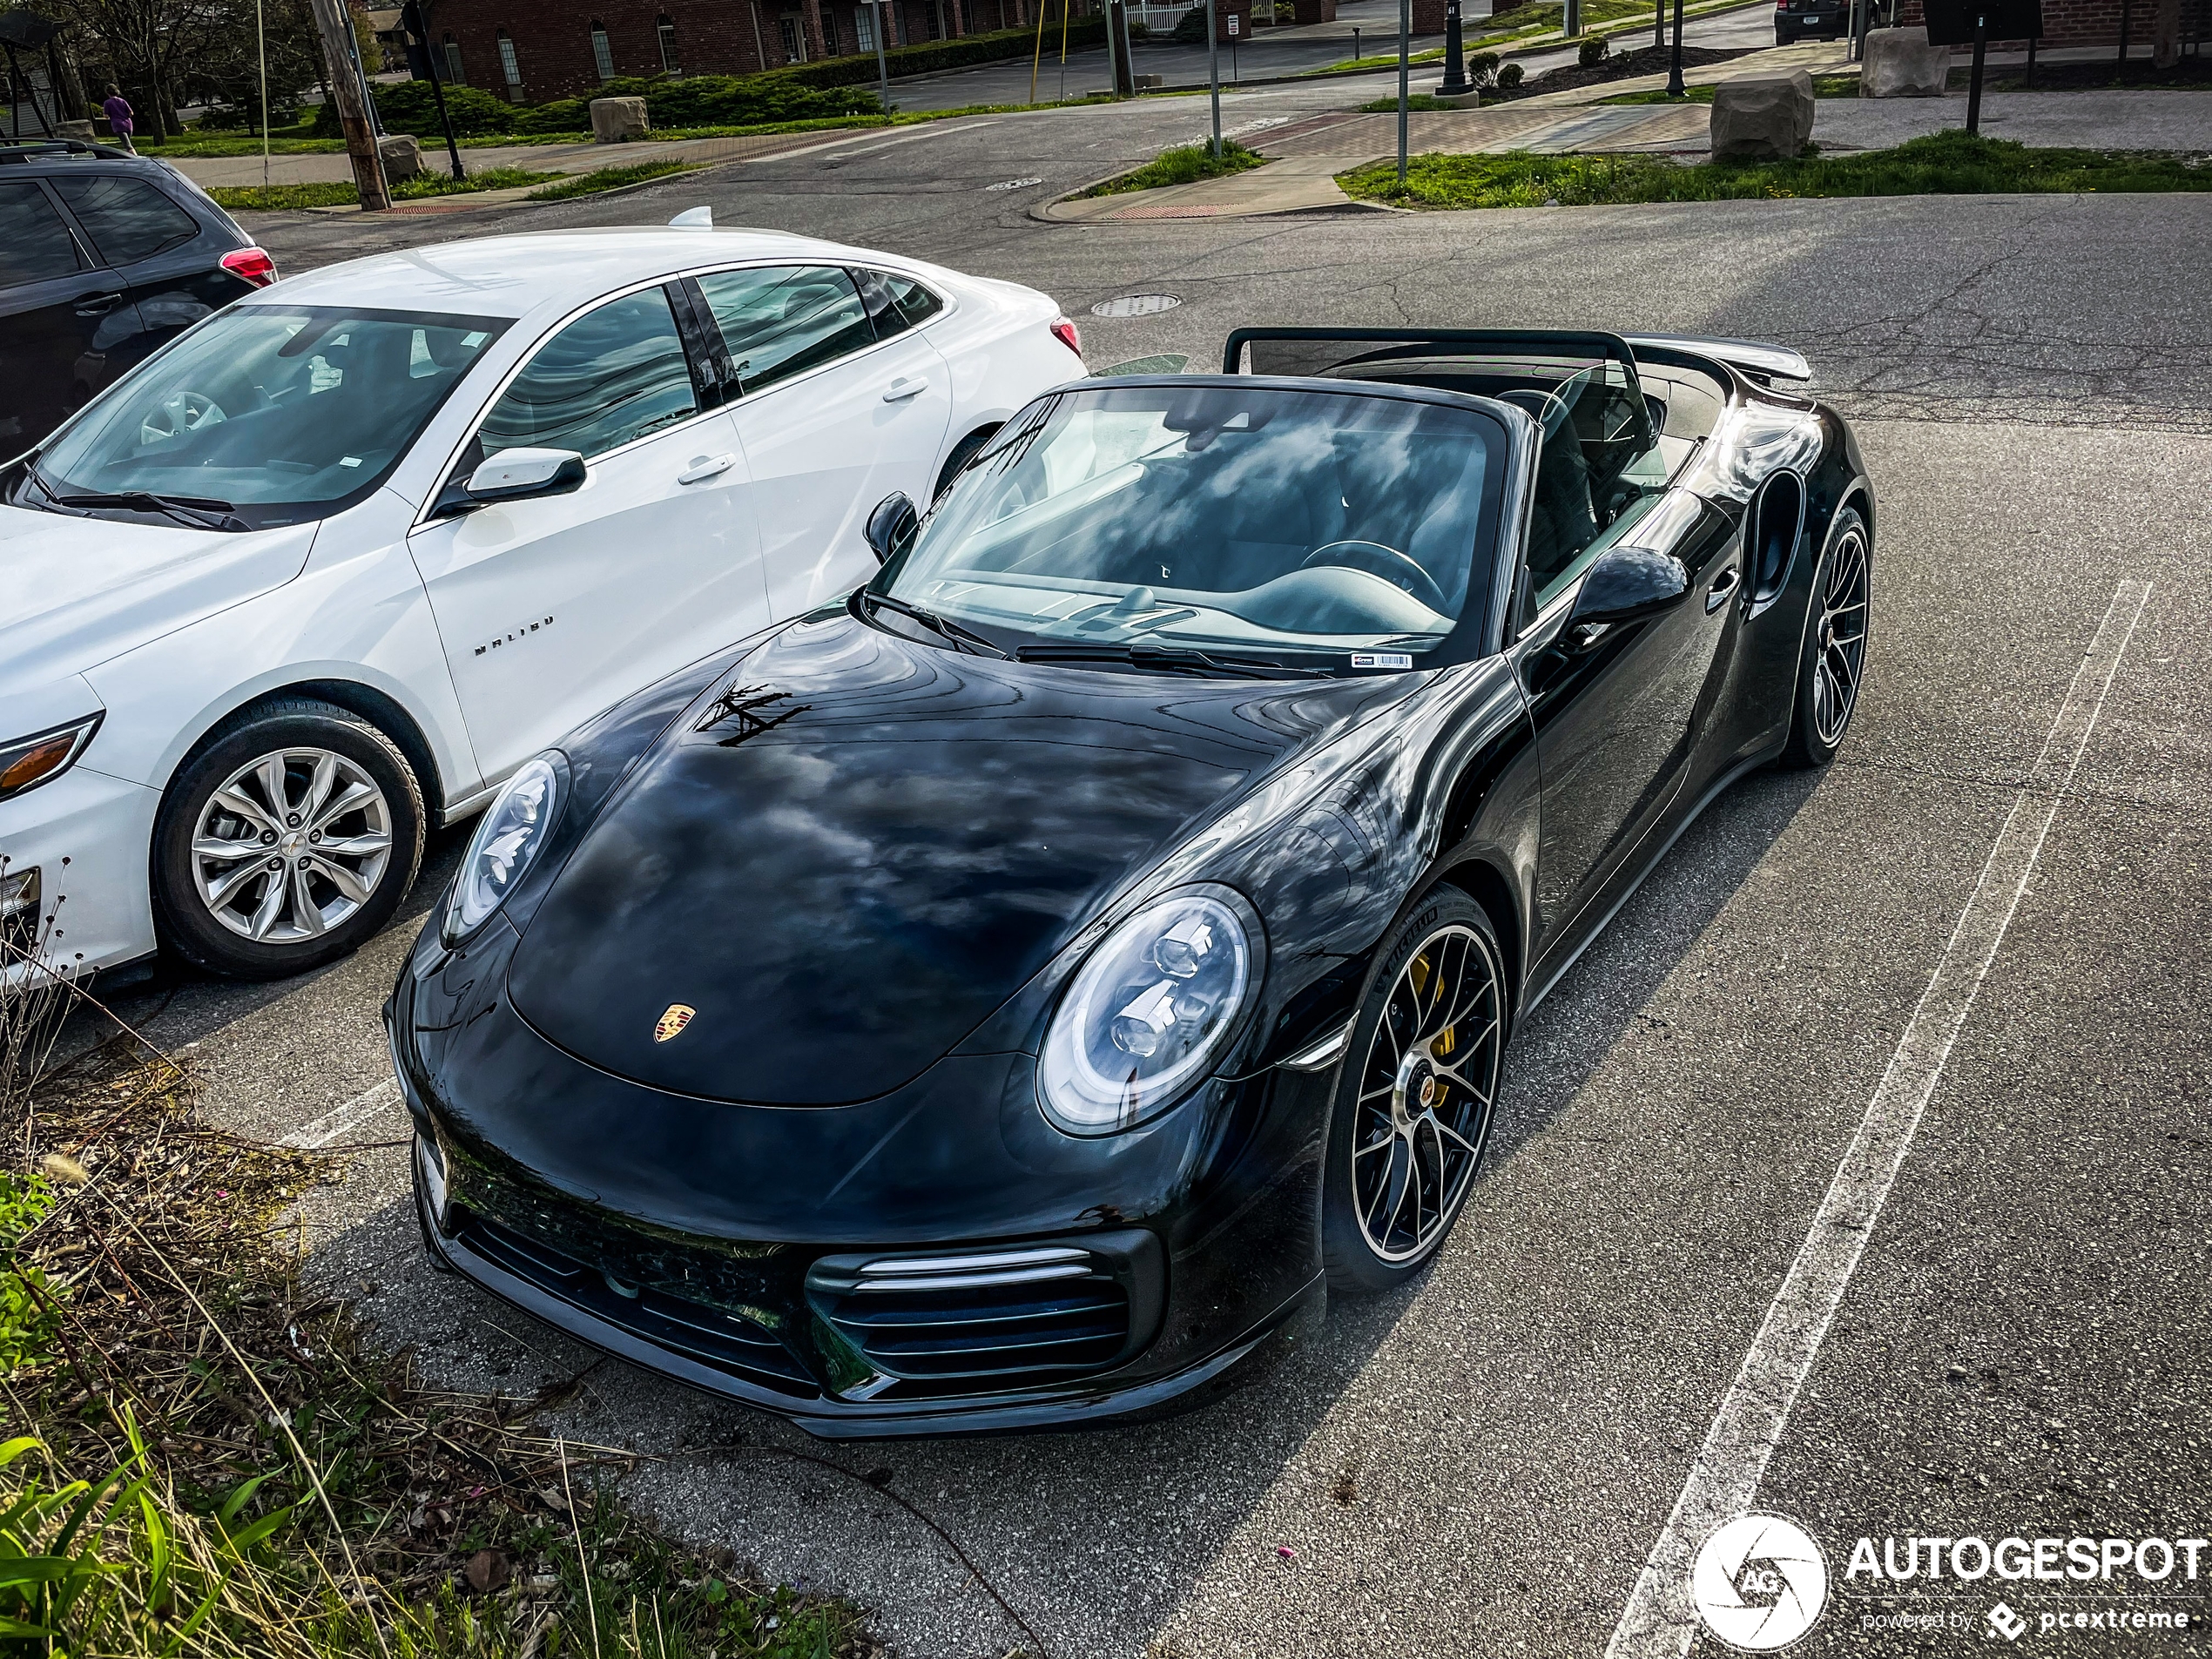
866	846
82	591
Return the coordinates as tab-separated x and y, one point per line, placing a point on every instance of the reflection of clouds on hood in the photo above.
845	896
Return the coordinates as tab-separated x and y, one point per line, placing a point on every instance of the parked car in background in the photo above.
1795	19
338	560
104	256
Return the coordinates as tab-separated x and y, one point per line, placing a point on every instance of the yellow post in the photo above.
1037	57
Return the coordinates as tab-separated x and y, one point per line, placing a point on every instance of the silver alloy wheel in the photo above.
290	846
1841	655
1426	1093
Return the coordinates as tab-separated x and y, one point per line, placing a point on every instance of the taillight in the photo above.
251	264
1064	332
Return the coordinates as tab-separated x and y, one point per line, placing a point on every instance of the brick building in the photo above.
2097	23
530	51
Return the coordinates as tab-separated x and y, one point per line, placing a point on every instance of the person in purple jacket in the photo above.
118	117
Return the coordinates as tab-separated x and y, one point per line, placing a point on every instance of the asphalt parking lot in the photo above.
1484	1463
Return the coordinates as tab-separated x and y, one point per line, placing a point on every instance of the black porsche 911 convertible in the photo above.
1016	994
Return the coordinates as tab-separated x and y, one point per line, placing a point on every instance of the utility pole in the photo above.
1213	72
879	15
337	29
1405	78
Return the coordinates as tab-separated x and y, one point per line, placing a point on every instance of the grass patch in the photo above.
1415	102
1823	86
1945	164
207	1456
1185	165
588	183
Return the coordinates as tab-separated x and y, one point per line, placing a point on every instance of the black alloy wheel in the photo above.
286	841
1416	1091
1833	666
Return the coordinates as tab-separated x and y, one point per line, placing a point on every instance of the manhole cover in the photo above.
1135	305
1014	183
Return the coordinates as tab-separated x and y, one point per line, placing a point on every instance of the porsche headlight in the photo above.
1146	1013
508	839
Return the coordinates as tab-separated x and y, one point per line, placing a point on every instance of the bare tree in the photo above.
146	44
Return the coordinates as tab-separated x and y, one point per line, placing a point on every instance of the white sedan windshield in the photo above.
279	413
1218	517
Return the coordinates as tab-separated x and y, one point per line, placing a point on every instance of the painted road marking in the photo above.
340	1121
1724	1479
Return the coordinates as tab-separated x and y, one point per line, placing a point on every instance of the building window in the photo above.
864	27
603	55
670	63
510	68
794	40
453	63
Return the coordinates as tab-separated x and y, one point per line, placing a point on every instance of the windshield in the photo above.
1220	518
285	413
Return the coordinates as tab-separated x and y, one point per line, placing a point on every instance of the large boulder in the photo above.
617	120
1901	63
1763	118
402	156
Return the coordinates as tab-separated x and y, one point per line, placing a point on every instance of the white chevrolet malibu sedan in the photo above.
328	567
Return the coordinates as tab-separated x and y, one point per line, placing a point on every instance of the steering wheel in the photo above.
174	416
1399	570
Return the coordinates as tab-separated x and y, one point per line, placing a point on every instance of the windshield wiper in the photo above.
1168	659
961	639
202	512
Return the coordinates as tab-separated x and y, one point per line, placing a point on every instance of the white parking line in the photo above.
933	130
314	1136
1724	1481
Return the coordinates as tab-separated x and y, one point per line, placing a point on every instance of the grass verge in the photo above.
1945	164
1823	86
344	194
208	1457
1184	165
588	183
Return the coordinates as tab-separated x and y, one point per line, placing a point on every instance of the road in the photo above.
1483	1463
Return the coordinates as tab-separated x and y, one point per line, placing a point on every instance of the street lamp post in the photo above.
1455	63
1674	87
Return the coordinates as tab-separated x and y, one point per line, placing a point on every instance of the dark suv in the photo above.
104	256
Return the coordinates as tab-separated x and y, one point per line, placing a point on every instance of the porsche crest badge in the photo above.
673	1021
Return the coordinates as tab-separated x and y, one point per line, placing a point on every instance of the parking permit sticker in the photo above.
1380	659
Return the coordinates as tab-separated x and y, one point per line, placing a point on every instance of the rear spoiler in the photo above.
1761	361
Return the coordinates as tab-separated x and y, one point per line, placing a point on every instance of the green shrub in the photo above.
1192	31
1482	68
410	106
1592	50
1512	75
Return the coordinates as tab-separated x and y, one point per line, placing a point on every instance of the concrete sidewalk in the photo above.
572	158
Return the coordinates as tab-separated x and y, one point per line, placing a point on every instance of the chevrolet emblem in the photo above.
673	1021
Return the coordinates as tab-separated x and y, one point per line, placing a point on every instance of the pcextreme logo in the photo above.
1759	1583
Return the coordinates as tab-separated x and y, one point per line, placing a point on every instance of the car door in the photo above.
1618	712
168	279
61	317
835	410
553	608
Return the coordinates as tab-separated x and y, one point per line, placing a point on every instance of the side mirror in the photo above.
1627	584
517	474
892	525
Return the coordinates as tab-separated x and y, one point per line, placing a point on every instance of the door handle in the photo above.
97	305
702	467
1723	584
905	388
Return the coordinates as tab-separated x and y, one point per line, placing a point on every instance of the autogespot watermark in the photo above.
1761	1582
